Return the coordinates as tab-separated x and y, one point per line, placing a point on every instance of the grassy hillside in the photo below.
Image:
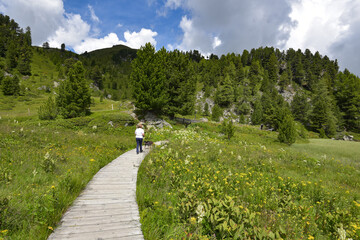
202	186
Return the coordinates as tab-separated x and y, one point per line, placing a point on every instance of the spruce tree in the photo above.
228	128
73	99
225	92
149	80
216	113
287	130
257	114
322	113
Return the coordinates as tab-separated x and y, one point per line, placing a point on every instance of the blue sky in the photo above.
331	27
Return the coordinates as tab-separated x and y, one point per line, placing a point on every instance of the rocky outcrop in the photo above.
152	121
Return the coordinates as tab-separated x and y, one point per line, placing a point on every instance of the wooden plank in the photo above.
107	208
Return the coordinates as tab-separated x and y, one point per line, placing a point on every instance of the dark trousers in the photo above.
139	144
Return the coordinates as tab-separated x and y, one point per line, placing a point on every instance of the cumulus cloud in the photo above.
132	40
239	24
42	16
330	27
71	32
49	22
318	25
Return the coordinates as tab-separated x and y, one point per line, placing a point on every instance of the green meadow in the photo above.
46	164
202	186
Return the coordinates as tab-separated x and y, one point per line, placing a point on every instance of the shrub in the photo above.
287	131
48	111
10	86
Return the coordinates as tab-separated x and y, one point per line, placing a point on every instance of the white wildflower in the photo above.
342	233
200	212
47	155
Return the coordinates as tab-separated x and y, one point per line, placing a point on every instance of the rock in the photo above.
151	120
348	138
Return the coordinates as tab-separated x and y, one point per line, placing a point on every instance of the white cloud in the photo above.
49	22
132	40
173	4
217	42
119	25
93	15
331	27
90	44
239	24
71	32
318	25
42	16
138	39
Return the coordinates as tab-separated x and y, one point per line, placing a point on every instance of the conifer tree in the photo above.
216	113
149	79
257	114
322	113
228	128
73	99
287	130
206	109
225	92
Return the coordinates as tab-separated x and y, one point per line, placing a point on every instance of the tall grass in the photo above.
202	186
45	164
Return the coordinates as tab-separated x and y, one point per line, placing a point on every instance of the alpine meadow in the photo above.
262	144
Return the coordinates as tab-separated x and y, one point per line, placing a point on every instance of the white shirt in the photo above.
139	133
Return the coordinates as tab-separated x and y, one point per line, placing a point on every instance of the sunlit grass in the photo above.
45	164
201	186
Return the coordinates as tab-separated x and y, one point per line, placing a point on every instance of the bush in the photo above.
48	111
287	131
10	86
228	129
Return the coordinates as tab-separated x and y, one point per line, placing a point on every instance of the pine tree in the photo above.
257	114
322	113
73	99
149	80
216	113
273	69
225	92
348	99
300	107
287	130
206	109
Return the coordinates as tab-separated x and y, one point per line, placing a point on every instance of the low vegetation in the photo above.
203	186
45	164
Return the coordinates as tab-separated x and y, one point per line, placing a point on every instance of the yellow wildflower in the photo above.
49	227
92	160
311	237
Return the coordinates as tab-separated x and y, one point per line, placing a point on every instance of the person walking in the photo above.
139	134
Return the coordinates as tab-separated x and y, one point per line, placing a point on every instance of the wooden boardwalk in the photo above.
107	208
